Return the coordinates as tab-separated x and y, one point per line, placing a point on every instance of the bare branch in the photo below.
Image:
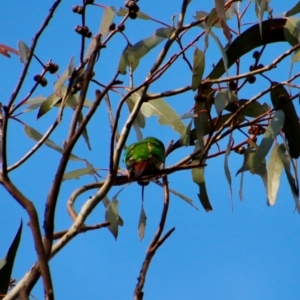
37	237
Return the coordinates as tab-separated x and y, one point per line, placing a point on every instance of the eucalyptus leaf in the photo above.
273	129
7	263
198	68
23	51
142	223
274	168
294	10
76	174
226	167
291	180
37	136
107	19
66	74
111	216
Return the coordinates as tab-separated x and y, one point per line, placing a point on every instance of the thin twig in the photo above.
155	244
33	149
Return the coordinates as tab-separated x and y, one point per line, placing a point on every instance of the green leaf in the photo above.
48	104
37	136
223	98
23	51
76	174
159	107
255	167
273	129
198	68
274	168
142	47
291	180
7	263
241	186
253	110
111	215
292	30
139	121
281	100
106	201
186	136
198	178
165	32
294	10
226	167
34	103
84	132
127	59
107	19
66	74
260	7
142	223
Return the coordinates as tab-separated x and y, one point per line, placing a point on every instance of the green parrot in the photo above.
144	158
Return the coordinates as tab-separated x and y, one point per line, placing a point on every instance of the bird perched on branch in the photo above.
144	158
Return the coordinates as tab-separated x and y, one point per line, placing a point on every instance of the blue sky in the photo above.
250	253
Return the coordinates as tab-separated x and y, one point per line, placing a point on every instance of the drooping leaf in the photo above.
7	263
37	136
274	168
106	201
142	47
219	6
260	7
254	167
23	51
76	174
109	13
198	68
250	165
281	100
241	186
292	30
273	129
142	223
186	136
199	179
165	32
139	121
159	107
294	10
48	104
226	167
84	132
127	59
60	82
208	31
291	180
111	216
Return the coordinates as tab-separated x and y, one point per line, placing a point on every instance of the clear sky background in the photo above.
251	252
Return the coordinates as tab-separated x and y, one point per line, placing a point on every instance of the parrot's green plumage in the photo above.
145	157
